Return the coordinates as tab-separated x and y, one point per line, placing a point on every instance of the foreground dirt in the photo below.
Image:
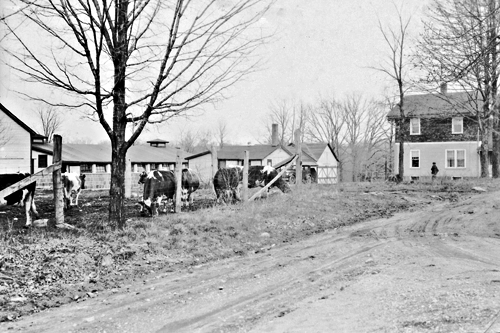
436	269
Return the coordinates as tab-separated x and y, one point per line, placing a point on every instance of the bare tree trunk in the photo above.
117	190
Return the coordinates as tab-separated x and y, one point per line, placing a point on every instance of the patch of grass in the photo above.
44	265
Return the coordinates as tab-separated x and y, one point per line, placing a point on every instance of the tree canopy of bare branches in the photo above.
50	120
396	67
136	62
460	45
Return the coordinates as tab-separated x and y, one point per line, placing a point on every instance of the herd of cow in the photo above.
159	186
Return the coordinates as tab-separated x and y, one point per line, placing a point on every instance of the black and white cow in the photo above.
73	184
158	185
228	181
190	182
24	197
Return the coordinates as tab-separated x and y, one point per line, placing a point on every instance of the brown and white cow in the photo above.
228	181
73	184
23	197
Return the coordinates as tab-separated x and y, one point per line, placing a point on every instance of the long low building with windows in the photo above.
94	160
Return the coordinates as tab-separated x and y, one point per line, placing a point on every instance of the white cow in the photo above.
72	184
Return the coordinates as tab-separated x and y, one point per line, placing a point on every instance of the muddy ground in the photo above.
404	258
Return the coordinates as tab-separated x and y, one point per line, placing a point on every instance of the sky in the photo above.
320	48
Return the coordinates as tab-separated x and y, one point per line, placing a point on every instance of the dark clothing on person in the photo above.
434	170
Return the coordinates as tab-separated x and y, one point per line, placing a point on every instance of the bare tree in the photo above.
327	124
396	67
281	113
460	45
221	133
144	61
375	139
187	141
50	119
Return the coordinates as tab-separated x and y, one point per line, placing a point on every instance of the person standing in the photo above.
434	171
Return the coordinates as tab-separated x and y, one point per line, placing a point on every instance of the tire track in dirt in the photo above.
241	294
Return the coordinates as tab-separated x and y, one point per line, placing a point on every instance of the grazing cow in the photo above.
72	184
227	181
24	196
158	185
190	182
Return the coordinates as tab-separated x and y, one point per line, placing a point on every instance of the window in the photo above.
86	168
415	158
269	161
42	161
455	158
457	125
414	126
100	168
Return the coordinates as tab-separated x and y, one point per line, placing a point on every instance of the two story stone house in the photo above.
441	128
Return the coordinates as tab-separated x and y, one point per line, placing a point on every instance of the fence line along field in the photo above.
43	267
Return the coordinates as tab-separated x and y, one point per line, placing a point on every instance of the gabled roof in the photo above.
256	152
101	153
20	123
437	104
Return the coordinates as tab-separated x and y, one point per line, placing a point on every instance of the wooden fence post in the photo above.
246	160
128	178
298	164
178	181
56	181
215	166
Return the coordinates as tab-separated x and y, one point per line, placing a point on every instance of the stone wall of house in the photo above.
439	130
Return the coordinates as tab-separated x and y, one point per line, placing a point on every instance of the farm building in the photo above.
16	140
318	159
94	160
441	128
234	155
319	156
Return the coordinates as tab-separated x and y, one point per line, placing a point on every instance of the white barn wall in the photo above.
202	165
15	147
276	156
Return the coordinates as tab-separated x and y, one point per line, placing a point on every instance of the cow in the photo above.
72	184
190	182
158	186
228	181
23	197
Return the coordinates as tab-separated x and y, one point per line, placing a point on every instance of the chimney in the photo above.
444	88
274	136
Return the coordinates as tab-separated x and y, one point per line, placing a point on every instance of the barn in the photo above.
16	140
94	160
319	158
234	155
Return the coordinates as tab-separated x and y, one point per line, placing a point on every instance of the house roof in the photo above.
101	153
256	152
437	104
20	123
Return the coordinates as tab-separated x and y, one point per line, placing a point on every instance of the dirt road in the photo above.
433	270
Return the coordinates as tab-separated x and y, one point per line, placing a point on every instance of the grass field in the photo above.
41	268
